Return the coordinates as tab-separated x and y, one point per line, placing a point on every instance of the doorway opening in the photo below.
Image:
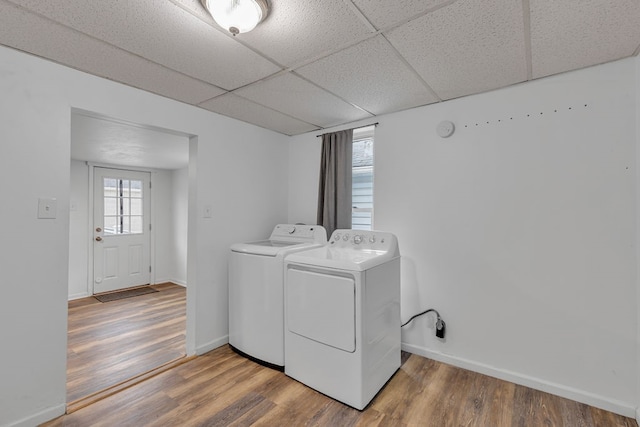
130	195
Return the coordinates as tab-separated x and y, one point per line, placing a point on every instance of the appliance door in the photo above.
256	306
321	306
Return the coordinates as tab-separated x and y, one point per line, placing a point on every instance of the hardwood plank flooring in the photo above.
222	388
113	341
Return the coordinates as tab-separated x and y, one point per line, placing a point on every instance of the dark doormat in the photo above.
128	293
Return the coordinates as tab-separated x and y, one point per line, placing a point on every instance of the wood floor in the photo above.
221	388
114	341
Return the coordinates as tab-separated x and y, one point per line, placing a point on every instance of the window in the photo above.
122	206
362	179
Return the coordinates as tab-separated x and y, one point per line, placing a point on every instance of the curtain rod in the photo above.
359	127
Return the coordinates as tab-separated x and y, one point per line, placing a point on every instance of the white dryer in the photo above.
256	290
342	328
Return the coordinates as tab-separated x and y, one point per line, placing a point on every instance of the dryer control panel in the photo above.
364	240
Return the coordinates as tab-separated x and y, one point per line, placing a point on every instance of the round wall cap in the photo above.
445	128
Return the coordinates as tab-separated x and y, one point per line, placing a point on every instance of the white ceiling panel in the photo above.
69	47
298	98
196	8
242	109
370	75
383	14
467	47
184	42
102	140
297	30
571	34
317	64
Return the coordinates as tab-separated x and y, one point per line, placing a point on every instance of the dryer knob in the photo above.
357	239
346	237
372	239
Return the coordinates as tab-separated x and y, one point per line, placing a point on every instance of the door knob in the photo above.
98	239
98	229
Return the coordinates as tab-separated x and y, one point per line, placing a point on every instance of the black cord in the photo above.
420	314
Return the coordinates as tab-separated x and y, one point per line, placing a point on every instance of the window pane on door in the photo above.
136	224
136	206
123	206
110	225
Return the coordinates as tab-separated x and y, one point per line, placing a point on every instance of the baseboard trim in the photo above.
211	345
39	417
78	296
581	396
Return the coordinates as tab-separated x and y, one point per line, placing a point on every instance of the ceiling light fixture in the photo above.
237	16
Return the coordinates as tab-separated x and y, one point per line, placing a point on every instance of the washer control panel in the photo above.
299	232
362	239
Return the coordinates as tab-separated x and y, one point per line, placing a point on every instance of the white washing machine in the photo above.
342	328
256	290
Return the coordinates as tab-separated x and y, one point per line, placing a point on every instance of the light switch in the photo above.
47	208
208	211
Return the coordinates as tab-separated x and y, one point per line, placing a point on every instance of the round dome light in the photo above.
237	16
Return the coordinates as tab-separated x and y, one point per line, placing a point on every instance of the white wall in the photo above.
179	186
519	229
79	236
162	211
35	107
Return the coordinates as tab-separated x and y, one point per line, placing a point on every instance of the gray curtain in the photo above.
334	195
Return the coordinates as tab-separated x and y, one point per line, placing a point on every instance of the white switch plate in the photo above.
47	208
208	211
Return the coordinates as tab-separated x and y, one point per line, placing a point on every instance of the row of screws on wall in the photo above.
527	116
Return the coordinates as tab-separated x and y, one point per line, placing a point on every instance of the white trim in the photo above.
90	246
79	296
212	345
152	231
169	280
638	415
581	396
192	247
121	167
40	417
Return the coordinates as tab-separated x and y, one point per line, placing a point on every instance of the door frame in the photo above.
91	225
192	216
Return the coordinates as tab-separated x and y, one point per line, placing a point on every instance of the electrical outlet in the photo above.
440	328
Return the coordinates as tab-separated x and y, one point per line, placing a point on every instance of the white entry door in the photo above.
121	235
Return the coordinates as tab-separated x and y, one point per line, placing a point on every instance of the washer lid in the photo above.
269	247
285	238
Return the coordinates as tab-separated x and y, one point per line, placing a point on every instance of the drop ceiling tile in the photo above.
185	43
196	8
467	47
571	34
371	76
384	14
298	98
60	44
297	30
239	108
